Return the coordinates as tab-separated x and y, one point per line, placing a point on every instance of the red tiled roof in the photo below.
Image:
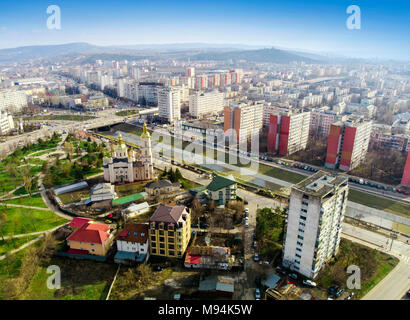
78	222
194	259
91	233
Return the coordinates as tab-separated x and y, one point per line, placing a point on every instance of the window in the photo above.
298	249
302	224
92	244
152	238
301	230
171	240
303	218
161	251
161	245
161	232
300	237
305	203
171	246
299	243
161	239
304	210
142	234
298	255
135	234
154	250
153	244
171	233
171	253
297	262
305	196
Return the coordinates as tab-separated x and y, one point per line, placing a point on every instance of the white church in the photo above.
126	165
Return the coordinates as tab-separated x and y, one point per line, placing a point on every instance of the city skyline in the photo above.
316	27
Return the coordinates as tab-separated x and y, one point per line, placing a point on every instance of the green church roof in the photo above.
219	182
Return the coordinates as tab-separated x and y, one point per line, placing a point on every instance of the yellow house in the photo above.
91	238
170	231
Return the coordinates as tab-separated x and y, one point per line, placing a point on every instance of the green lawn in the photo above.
43	152
80	280
379	203
22	220
33	201
74	196
14	243
129	189
125	113
374	266
66	117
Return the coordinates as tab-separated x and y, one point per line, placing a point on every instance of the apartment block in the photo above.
6	123
406	173
170	231
203	103
316	211
169	104
12	100
347	144
244	119
288	133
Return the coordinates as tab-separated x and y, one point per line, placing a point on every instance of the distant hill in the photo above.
261	55
195	51
35	52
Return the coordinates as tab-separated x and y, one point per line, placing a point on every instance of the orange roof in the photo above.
78	222
91	233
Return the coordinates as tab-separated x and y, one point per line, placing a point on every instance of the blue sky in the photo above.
310	25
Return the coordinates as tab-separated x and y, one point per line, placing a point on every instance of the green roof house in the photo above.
222	189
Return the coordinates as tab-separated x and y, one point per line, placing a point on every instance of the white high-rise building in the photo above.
12	100
169	104
316	211
6	123
202	103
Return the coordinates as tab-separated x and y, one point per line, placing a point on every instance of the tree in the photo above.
196	209
27	177
69	149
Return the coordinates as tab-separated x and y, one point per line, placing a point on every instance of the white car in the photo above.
309	283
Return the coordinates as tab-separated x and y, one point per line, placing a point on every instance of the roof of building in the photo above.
219	182
71	188
217	283
91	233
320	184
127	199
78	222
167	214
134	232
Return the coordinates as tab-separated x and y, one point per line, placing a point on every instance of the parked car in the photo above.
350	296
309	283
257	294
247	214
245	201
254	236
255	244
258	281
266	262
332	290
246	223
256	257
293	276
177	296
339	293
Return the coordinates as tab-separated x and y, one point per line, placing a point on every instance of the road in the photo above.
397	282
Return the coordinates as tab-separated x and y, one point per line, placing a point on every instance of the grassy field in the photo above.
125	113
74	196
80	280
379	203
374	266
22	220
13	243
128	189
33	201
66	117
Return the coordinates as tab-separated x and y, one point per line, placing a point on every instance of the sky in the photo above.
315	25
